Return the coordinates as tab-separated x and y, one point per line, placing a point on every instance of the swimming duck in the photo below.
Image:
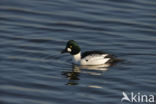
88	57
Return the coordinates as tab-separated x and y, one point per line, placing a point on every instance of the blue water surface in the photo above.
33	32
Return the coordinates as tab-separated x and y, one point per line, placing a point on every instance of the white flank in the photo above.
90	60
94	60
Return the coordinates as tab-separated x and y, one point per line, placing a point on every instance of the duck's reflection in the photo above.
73	76
103	67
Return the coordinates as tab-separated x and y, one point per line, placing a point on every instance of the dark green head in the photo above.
72	47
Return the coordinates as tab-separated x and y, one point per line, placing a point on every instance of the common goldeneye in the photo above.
88	57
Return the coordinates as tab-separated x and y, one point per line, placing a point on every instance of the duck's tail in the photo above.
113	61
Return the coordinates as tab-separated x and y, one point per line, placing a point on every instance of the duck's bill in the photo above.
64	51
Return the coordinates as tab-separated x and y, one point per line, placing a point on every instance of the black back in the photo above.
92	53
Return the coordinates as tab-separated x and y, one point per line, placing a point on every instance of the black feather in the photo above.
112	59
87	53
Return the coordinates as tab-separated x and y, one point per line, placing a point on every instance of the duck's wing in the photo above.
94	58
88	53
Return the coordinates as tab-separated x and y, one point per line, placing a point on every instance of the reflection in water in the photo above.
73	76
103	67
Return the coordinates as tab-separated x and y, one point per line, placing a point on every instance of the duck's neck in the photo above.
77	58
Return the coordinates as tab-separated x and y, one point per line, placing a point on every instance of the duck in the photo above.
89	57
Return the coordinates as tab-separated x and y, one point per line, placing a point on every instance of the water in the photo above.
33	32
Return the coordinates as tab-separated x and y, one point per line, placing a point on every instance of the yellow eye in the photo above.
70	46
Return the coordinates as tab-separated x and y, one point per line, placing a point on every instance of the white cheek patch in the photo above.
68	49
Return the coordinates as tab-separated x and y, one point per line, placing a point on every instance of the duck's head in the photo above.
72	47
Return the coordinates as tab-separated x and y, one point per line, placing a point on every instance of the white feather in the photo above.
77	58
68	49
94	59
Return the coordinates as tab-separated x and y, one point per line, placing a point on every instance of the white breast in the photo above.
77	58
94	59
